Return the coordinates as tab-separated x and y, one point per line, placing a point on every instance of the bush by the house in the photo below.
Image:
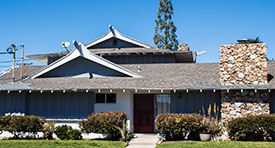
22	126
175	126
252	128
48	130
104	123
65	132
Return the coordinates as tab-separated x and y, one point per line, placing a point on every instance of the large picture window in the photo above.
105	98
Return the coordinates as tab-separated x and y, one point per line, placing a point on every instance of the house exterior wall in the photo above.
272	102
81	68
193	101
141	59
109	44
13	102
239	104
56	105
243	64
124	101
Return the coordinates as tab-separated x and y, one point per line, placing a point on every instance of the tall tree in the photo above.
165	30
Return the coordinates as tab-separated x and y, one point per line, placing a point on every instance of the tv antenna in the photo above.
65	45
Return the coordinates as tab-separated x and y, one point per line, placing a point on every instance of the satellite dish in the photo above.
66	44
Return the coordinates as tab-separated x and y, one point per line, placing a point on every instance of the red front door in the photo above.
144	113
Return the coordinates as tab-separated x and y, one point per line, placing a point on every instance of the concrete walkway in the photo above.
143	141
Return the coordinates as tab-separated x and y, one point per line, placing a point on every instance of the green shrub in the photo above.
48	130
176	125
65	132
252	128
104	123
21	126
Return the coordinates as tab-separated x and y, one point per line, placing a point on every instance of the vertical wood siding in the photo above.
57	105
60	105
272	102
12	102
183	102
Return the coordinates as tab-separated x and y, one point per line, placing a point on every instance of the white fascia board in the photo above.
105	37
81	51
117	35
72	55
130	40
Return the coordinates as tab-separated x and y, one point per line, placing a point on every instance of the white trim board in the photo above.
113	33
81	51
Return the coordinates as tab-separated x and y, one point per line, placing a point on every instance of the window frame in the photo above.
105	98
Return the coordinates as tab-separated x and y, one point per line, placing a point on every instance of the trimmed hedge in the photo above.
104	123
66	132
175	125
21	126
252	128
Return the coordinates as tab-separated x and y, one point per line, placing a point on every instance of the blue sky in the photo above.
204	24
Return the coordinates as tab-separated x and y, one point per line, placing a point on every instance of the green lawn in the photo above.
60	144
227	144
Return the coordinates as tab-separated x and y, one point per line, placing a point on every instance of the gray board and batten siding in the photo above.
193	101
81	68
56	105
114	43
141	59
272	102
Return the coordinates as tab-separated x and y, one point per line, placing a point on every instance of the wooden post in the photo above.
13	68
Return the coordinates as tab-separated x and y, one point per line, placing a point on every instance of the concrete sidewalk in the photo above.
143	141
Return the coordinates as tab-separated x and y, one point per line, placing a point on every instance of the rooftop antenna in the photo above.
12	50
65	45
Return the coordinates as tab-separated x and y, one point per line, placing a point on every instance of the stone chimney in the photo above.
243	64
183	47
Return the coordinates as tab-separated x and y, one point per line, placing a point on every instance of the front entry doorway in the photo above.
144	113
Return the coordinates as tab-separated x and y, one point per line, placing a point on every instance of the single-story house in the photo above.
119	73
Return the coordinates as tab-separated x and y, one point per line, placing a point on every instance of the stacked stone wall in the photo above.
240	104
243	64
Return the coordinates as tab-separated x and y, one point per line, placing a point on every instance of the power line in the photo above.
15	61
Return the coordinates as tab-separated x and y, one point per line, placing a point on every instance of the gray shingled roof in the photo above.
115	51
154	76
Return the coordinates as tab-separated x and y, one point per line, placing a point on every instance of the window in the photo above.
105	98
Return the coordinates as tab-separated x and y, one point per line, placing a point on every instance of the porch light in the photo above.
227	90
87	90
269	90
51	91
111	90
135	90
64	91
161	91
255	90
98	90
187	90
41	91
241	90
201	90
8	91
123	90
30	91
149	91
19	91
214	90
174	90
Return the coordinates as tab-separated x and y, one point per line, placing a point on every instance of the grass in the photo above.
60	144
227	144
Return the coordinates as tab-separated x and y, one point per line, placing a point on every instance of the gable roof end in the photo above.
113	33
81	51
